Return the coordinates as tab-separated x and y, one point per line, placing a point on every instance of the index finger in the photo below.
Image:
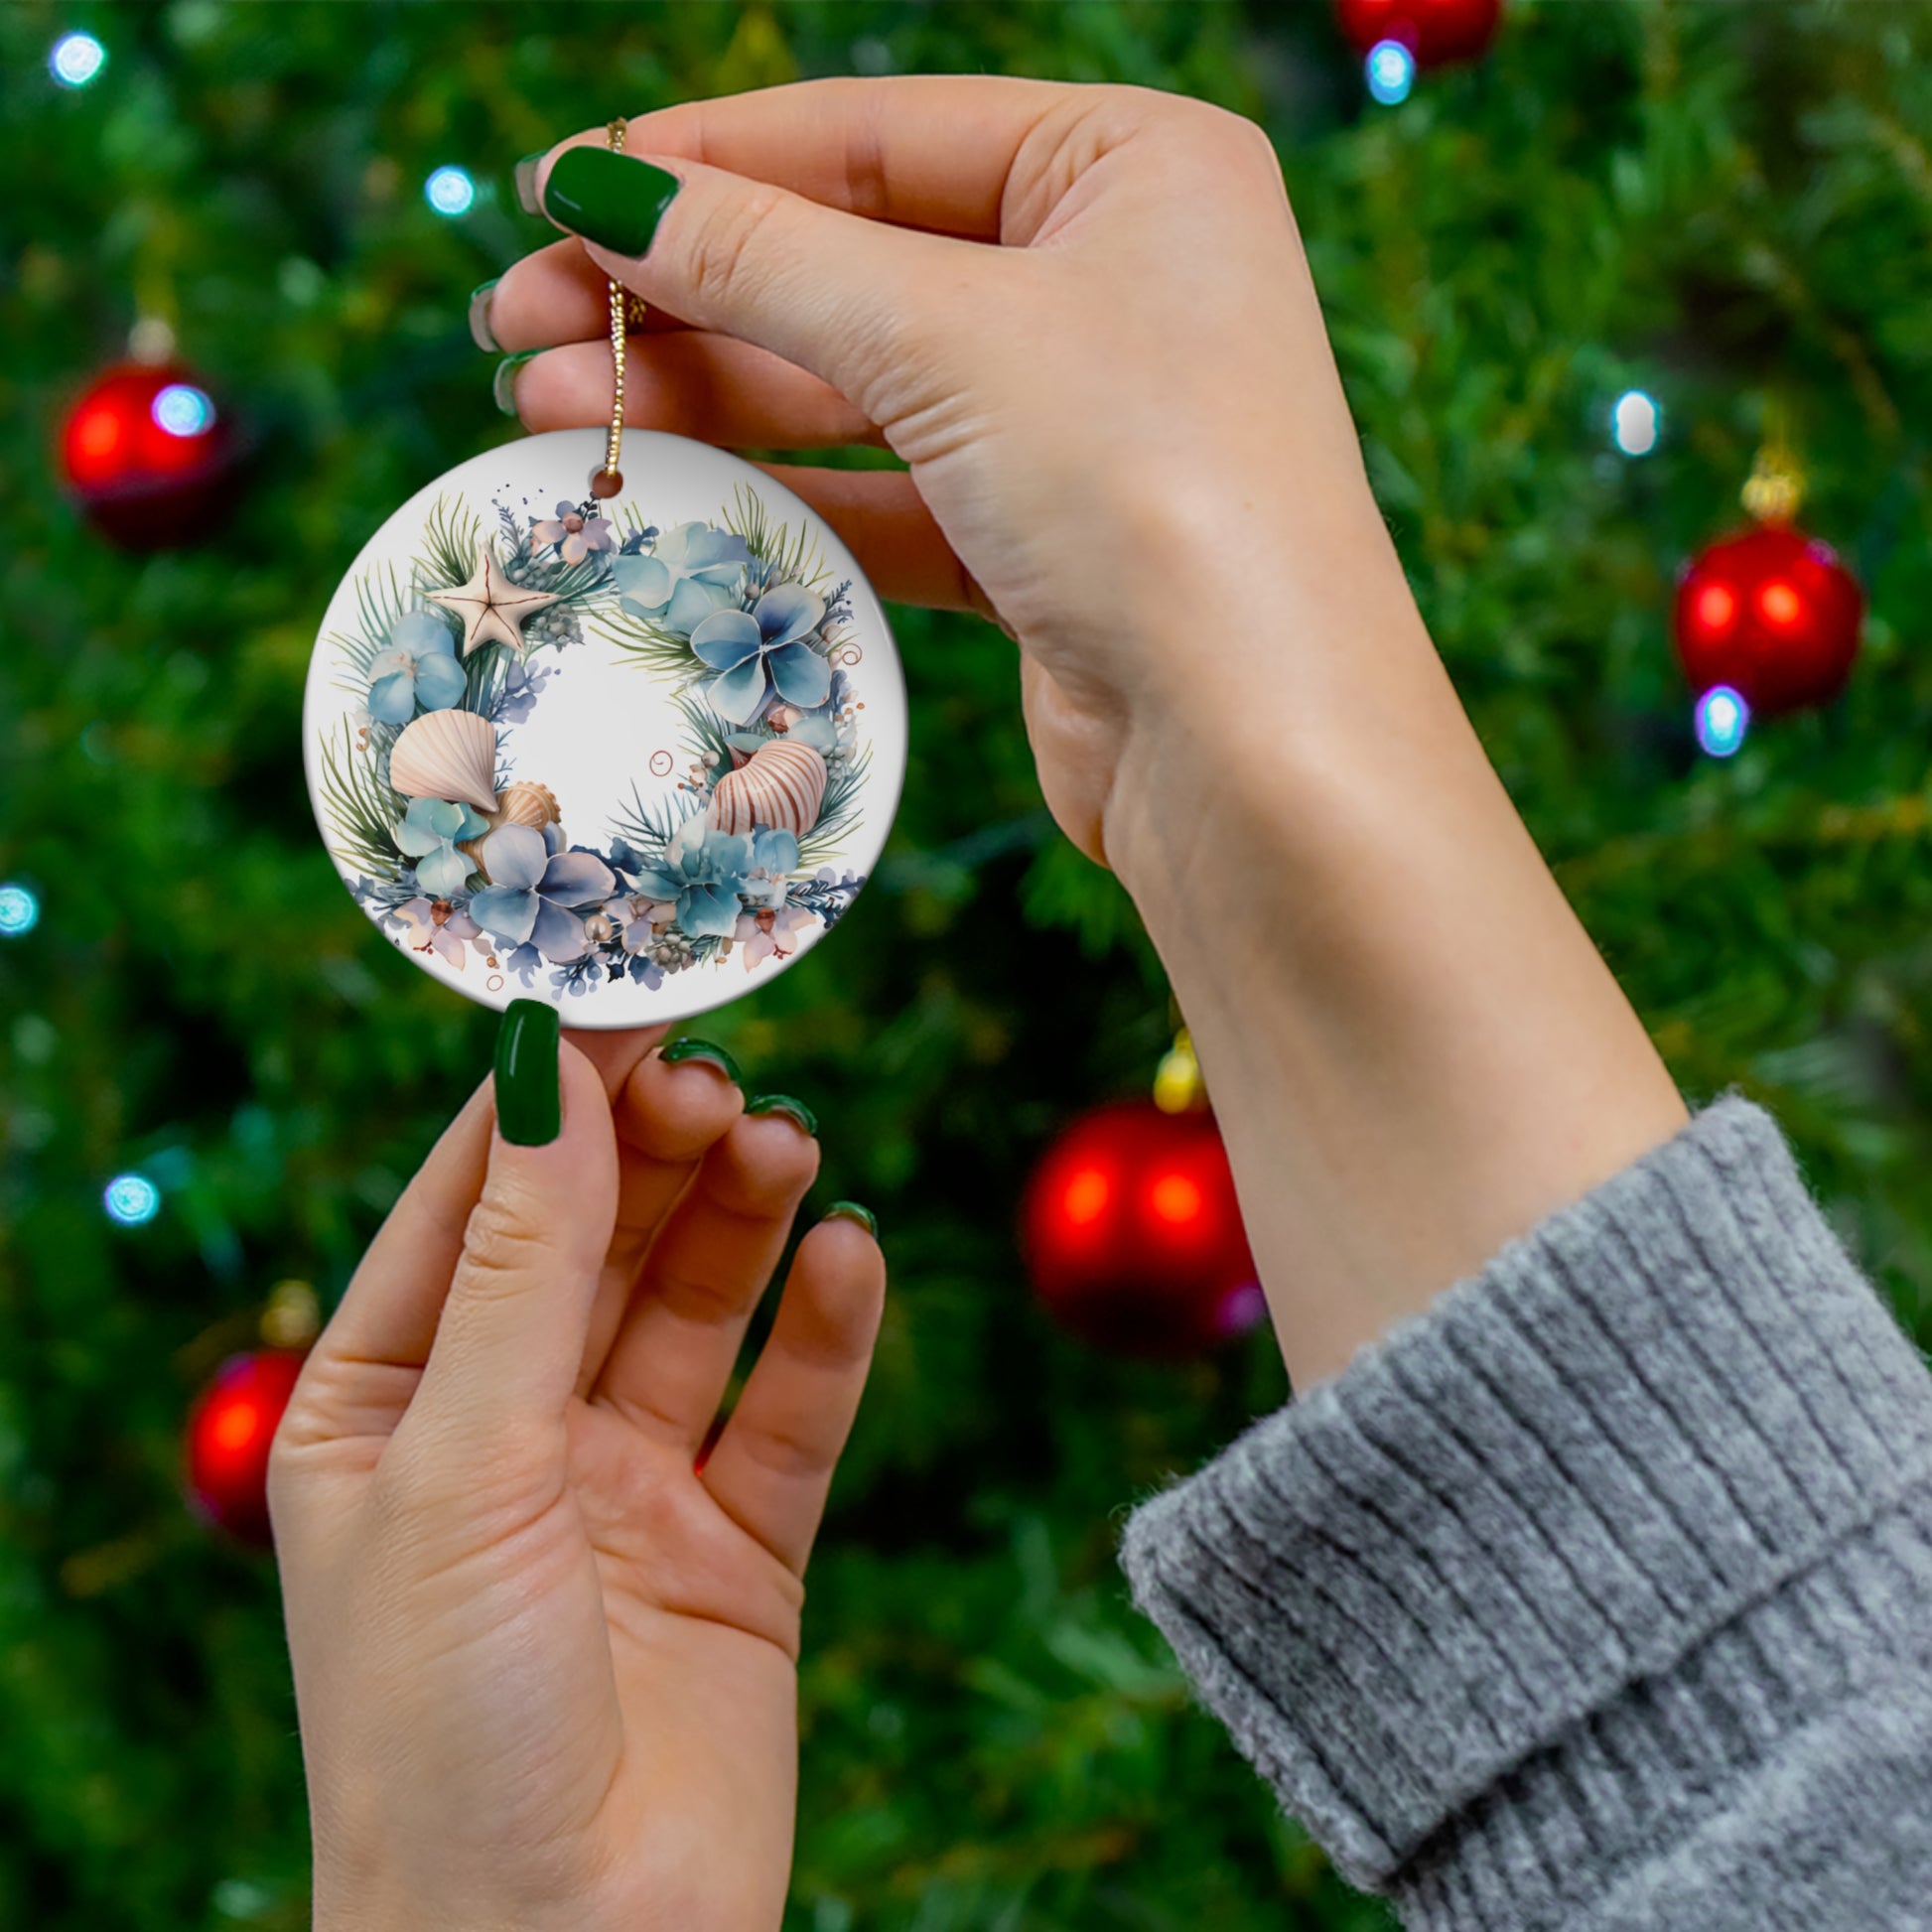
919	151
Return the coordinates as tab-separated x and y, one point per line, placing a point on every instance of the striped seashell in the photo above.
450	754
780	788
523	803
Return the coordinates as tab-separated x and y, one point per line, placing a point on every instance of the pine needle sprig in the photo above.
783	552
836	811
705	730
363	809
379	601
650	827
653	648
451	534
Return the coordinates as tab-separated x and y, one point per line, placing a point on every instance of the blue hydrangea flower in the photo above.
691	572
705	872
429	833
535	895
418	670
765	641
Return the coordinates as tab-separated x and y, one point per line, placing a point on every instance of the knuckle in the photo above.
1216	134
501	1248
786	1449
696	1298
725	252
284	1482
461	1476
1250	139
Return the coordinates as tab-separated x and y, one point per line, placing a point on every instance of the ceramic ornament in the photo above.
633	753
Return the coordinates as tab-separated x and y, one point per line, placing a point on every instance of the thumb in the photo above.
510	1339
843	297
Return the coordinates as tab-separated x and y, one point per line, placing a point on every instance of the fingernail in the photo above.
850	1210
793	1110
479	331
680	1050
609	198
503	385
529	1097
527	182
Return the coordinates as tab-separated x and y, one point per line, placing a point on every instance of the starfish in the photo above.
491	607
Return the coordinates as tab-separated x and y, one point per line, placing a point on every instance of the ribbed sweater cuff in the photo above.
1500	1531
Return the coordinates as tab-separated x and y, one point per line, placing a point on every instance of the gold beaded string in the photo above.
626	310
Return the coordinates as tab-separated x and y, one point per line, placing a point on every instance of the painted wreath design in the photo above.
458	853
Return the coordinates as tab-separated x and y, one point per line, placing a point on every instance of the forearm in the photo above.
1414	1049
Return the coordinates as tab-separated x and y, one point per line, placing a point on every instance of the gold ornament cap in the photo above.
1177	1087
293	1317
1774	492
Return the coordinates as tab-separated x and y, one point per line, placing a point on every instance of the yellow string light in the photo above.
1177	1087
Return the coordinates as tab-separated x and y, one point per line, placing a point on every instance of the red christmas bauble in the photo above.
1435	32
229	1430
1134	1237
148	456
1772	614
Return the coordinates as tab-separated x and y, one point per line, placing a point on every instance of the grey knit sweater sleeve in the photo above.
1600	1595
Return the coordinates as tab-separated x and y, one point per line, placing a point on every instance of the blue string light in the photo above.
1391	71
20	911
1722	719
1636	422
184	410
450	192
76	60
131	1199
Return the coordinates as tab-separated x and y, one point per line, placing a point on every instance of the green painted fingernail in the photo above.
850	1210
479	331
529	1096
782	1103
680	1050
609	198
527	182
503	385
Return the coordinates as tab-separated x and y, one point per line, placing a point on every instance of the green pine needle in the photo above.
363	809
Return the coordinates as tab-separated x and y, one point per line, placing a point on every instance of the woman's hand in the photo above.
1120	413
1083	317
545	1667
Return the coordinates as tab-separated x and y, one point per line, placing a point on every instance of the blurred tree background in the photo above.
1717	203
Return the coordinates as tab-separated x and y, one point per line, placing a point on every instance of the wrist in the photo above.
1270	718
1414	1050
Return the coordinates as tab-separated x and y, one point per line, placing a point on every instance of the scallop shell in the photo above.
523	803
449	755
781	787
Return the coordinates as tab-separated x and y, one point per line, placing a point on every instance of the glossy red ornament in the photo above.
229	1430
1435	32
150	456
1772	614
1133	1235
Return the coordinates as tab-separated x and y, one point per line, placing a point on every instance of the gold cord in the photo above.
625	309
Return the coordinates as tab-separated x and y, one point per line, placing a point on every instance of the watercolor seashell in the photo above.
449	755
781	787
523	803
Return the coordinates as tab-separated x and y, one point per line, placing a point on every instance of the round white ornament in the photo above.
634	757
